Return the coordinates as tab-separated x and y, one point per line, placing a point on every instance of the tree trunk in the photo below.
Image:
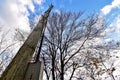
17	68
53	69
62	68
62	72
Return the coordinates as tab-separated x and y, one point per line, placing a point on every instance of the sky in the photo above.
19	13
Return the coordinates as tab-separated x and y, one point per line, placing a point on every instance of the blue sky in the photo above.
18	13
89	6
76	5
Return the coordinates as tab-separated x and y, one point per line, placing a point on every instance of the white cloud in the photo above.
115	4
116	24
58	11
113	18
39	1
14	14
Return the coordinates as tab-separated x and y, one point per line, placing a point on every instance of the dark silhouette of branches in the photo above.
66	35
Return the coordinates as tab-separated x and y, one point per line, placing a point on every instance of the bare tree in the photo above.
98	62
65	38
8	46
5	49
20	35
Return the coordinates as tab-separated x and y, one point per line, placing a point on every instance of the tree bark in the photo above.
17	68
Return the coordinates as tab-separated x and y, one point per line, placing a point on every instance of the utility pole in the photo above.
18	67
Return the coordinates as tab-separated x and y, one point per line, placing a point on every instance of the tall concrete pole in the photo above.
17	68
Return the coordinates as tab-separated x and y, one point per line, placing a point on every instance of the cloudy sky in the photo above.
19	13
